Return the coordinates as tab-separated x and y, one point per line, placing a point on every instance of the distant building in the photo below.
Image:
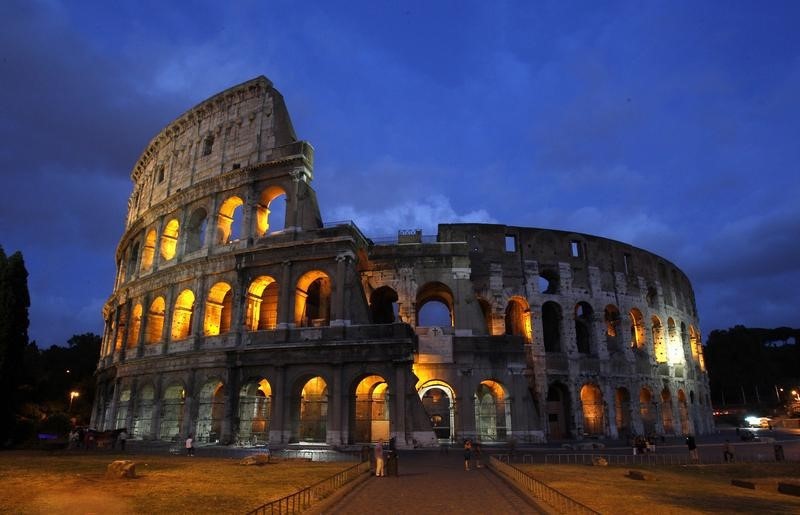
239	316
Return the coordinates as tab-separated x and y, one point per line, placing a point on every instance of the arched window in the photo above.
637	329
149	251
383	305
371	413
182	315
313	300
210	412
196	230
434	305
135	327
492	411
219	305
551	326
518	318
659	345
271	211
155	321
593	415
314	410
229	220
255	412
172	411
133	259
262	304
169	240
548	281
583	327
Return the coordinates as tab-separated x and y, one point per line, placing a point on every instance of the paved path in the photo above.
433	483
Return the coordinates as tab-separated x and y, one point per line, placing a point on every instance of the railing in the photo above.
617	459
302	500
559	501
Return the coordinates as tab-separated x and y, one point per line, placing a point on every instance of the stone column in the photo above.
340	315
280	423
465	406
231	407
286	305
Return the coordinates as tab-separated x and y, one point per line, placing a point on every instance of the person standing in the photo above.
467	454
123	437
379	469
190	446
692	445
727	453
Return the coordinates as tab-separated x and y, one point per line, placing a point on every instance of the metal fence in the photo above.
617	459
559	501
302	500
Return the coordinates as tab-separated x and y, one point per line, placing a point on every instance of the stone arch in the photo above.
593	412
622	410
647	411
697	346
666	411
438	400
122	327
143	412
638	339
169	240
548	281
612	318
312	306
182	315
383	305
584	327
172	403
492	411
123	405
155	320
261	312
268	218
683	411
229	220
659	344
255	411
674	347
433	299
149	250
310	411
559	422
486	311
551	326
196	230
210	411
133	260
518	318
219	307
369	414
135	327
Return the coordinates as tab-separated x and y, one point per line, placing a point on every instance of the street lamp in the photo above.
72	396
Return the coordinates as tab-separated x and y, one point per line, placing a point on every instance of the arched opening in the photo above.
637	329
182	315
169	240
123	403
666	411
262	304
313	410
659	345
612	317
229	220
143	414
271	211
155	321
255	412
437	400
492	412
172	412
593	413
558	407
135	327
196	230
697	346
219	306
548	282
647	411
622	406
210	412
133	259
122	327
149	251
312	306
518	319
583	327
383	305
683	410
551	326
486	311
370	415
674	347
434	306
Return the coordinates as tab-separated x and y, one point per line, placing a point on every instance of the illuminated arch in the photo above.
123	405
434	305
143	412
210	411
659	343
593	412
172	411
697	347
637	329
261	311
683	410
182	315
674	347
149	250
169	240
492	411
219	305
647	411
312	306
229	220
370	410
135	327
263	210
255	411
314	410
622	409
438	400
155	321
518	318
666	411
196	230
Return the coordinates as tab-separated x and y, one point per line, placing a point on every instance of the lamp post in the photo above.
72	396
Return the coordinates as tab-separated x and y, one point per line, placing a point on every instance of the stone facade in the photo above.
239	317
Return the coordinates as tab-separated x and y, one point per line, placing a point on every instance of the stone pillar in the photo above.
280	423
599	335
146	300
231	407
169	309
337	409
398	389
465	406
286	304
340	315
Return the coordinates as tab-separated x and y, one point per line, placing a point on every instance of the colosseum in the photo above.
241	317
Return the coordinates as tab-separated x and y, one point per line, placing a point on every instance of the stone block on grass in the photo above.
255	459
121	469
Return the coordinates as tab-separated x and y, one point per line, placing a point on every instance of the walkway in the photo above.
433	483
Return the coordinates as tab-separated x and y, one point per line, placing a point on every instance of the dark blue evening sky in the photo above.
672	126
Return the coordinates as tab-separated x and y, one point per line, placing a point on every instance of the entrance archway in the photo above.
646	411
437	399
313	411
371	410
492	412
593	413
172	412
622	406
255	411
210	412
558	406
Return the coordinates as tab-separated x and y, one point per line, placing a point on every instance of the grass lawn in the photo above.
675	489
74	483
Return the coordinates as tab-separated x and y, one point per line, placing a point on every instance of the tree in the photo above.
14	304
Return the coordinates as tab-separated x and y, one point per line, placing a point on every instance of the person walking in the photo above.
727	453
692	445
379	462
467	454
190	446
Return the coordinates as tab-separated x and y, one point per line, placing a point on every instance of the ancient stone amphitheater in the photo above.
240	317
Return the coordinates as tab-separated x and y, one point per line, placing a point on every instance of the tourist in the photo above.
123	437
692	445
190	446
379	470
467	453
727	454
